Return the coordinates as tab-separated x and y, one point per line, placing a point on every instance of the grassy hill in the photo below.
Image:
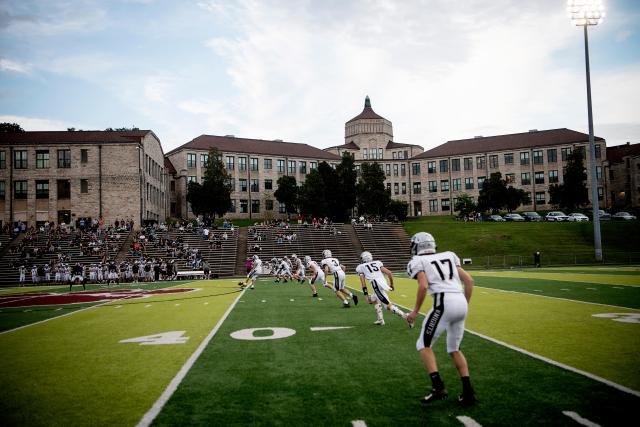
497	243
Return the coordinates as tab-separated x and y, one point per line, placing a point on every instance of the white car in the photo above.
513	217
577	217
556	216
624	215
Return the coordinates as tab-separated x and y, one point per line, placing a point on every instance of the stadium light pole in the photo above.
585	13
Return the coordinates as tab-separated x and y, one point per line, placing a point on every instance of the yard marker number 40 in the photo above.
164	338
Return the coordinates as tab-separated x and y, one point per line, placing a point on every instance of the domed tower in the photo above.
369	131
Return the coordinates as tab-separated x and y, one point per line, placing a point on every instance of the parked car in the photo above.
532	216
556	216
496	218
603	215
624	215
513	217
577	217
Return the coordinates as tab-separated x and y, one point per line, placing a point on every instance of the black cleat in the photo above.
435	395
355	299
467	399
315	295
346	306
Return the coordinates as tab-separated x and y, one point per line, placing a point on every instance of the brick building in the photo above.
64	176
622	172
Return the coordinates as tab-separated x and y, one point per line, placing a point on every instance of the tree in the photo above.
465	205
493	194
371	195
311	196
122	129
213	196
345	197
10	127
516	197
287	193
399	208
572	193
331	185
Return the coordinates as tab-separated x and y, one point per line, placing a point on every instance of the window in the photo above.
444	166
404	188
433	205
455	165
468	164
42	189
481	182
42	159
280	166
267	165
468	183
387	169
525	178
403	170
433	186
446	206
282	208
600	193
553	177
508	159
242	163
481	163
230	163
64	189
564	153
232	205
3	159
493	161
20	159
292	167
232	184
524	158
313	165
19	189
380	153
255	206
395	169
598	172
539	177
243	184
365	154
431	167
415	168
84	155
244	206
357	170
417	188
191	160
254	164
552	155
598	151
192	178
3	190
268	184
583	153
444	185
394	155
510	178
204	159
389	187
268	205
457	184
303	167
540	198
396	188
538	158
172	186
527	200
84	186
255	187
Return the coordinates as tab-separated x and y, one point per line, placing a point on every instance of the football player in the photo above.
374	272
440	275
332	265
252	276
318	274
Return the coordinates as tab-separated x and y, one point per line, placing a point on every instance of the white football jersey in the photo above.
314	266
441	270
332	263
373	271
257	266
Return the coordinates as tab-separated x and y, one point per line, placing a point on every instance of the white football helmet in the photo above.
326	253
307	259
366	256
255	257
294	256
423	243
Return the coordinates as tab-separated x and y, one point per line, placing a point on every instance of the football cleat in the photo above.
467	399
379	322
355	299
315	295
346	306
435	395
251	287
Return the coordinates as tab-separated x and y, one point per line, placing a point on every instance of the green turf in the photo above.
594	277
368	373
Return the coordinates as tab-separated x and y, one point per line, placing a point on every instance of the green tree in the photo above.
572	193
465	205
10	127
311	196
493	194
399	208
345	197
516	197
331	185
287	193
371	195
213	196
122	129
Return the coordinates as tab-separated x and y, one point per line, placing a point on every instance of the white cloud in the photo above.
623	35
14	66
28	18
156	88
39	123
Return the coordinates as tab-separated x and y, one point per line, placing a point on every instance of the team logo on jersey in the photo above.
48	298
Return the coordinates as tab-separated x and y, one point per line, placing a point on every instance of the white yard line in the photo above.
358	423
577	418
468	421
152	413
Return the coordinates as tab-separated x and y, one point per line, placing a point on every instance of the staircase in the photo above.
241	255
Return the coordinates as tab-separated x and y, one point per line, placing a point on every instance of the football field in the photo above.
545	347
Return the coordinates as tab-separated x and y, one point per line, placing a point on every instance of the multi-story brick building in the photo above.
622	173
64	176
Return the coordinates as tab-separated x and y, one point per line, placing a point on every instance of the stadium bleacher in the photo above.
387	241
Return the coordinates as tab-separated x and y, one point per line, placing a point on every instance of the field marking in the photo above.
358	423
328	328
577	418
558	298
468	421
153	412
558	364
20	299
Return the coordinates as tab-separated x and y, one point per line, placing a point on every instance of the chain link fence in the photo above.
550	259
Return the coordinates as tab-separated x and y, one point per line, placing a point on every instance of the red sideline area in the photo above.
30	300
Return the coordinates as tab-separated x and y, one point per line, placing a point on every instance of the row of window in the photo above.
242	206
281	165
43	161
63	189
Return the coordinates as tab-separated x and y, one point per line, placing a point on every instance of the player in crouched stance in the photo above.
374	272
440	276
256	270
332	265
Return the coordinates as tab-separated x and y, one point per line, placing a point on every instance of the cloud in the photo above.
156	88
38	123
14	66
29	18
623	35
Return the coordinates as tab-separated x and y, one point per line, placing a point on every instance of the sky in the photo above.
297	70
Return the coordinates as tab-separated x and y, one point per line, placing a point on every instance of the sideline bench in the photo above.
190	273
